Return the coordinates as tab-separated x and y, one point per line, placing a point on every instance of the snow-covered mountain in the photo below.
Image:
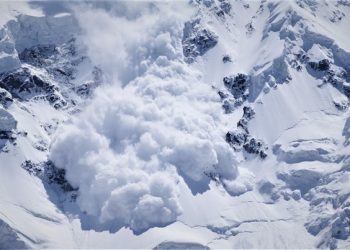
181	124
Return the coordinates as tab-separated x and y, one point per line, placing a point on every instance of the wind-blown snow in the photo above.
128	149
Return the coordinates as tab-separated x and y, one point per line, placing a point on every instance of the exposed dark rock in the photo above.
32	168
254	146
57	176
238	85
197	40
24	85
313	65
38	54
8	126
339	80
248	113
206	3
243	124
5	98
49	174
52	98
250	28
341	106
241	139
263	154
222	95
220	12
346	89
225	6
336	16
7	135
236	139
226	59
230	104
238	92
346	133
322	65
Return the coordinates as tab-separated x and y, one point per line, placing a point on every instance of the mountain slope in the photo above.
220	124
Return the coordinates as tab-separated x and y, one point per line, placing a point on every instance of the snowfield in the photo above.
200	124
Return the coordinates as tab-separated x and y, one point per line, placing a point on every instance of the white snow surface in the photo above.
146	151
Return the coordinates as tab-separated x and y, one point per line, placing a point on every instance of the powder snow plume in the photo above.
127	151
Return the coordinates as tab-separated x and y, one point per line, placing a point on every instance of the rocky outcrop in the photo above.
236	92
24	84
238	85
38	55
49	174
241	139
197	40
8	125
321	65
220	8
226	59
5	98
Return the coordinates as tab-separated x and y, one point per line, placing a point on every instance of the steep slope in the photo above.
224	126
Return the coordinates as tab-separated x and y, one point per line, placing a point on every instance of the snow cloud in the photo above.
155	124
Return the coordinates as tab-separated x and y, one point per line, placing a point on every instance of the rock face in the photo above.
236	92
49	174
8	125
254	146
5	98
236	139
241	139
238	85
225	6
284	83
197	40
337	78
37	55
226	59
322	65
24	84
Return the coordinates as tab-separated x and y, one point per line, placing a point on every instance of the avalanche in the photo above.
175	124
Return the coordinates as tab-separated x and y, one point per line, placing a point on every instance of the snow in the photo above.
147	151
127	134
